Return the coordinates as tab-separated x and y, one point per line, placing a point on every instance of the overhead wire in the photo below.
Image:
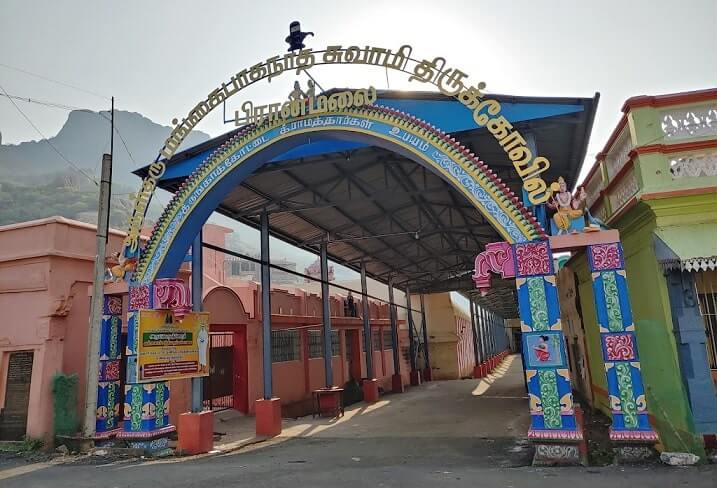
51	80
70	108
46	140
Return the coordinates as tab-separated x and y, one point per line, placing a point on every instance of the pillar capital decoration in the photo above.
172	294
496	258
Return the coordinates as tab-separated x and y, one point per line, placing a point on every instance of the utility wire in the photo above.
70	107
124	143
41	102
30	73
89	177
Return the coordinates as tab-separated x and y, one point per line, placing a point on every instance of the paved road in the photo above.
457	433
379	462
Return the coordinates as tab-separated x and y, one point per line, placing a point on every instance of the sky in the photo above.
161	57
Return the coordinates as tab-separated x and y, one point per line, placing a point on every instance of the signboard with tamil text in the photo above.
168	348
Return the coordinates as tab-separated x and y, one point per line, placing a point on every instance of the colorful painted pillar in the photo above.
619	346
553	428
108	388
146	405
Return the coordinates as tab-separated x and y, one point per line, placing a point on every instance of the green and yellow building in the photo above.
656	182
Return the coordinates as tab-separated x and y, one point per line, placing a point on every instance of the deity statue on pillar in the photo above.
569	210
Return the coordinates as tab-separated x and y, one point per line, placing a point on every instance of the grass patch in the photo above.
25	446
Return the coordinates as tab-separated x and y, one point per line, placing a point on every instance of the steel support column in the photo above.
394	328
197	293
474	329
492	334
411	336
424	327
266	306
483	334
367	344
328	370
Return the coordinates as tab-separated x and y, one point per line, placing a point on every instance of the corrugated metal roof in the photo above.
400	218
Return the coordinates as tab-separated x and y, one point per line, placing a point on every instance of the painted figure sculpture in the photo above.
568	216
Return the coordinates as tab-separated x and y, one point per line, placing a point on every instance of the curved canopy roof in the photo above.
398	217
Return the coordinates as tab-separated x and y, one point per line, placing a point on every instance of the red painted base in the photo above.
397	384
195	432
370	390
477	371
268	417
415	378
427	374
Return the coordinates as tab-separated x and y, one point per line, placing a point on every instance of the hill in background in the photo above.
36	182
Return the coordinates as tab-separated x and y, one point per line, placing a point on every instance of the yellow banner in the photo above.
168	348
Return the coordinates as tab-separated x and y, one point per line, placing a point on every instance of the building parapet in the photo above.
663	145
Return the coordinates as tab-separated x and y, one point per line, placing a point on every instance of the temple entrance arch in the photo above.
400	133
526	253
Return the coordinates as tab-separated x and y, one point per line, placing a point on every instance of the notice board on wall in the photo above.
169	348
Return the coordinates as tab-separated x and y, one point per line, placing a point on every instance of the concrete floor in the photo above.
493	407
452	433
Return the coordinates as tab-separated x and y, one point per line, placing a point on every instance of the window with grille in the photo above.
316	346
387	339
335	345
285	346
376	336
316	349
707	295
347	340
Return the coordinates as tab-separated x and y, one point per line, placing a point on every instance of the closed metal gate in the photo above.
218	387
13	417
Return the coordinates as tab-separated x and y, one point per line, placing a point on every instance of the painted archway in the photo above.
248	150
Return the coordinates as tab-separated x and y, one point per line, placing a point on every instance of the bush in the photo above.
64	394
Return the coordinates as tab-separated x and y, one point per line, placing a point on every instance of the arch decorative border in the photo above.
415	138
450	82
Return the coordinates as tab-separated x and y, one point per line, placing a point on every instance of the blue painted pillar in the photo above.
482	343
544	355
266	308
197	294
626	393
689	331
394	328
411	336
146	405
367	342
108	389
325	300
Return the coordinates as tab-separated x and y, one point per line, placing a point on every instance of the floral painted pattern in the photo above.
605	256
159	405
612	301
533	258
549	398
113	305
139	297
619	347
538	303
627	395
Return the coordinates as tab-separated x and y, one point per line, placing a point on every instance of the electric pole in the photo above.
93	336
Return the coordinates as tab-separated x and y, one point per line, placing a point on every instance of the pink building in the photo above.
46	269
